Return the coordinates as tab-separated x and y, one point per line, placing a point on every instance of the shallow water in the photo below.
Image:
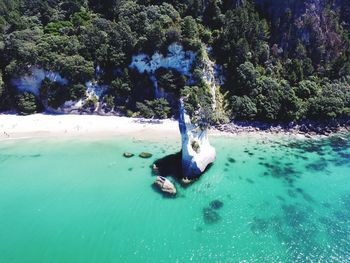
262	201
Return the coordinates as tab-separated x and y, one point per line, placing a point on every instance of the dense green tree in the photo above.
243	108
75	68
324	107
189	28
247	77
170	81
58	28
27	103
21	50
301	70
158	108
307	89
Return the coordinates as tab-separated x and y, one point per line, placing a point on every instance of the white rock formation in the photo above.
197	153
94	89
176	58
32	82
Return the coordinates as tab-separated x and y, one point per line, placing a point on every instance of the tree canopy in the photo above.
281	60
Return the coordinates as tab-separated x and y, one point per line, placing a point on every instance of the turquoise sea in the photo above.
264	200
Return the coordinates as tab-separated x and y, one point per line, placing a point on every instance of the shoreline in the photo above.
95	126
309	129
83	126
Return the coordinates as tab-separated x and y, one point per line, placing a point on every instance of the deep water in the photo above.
264	200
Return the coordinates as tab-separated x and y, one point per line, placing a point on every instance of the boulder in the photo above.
145	155
165	185
128	155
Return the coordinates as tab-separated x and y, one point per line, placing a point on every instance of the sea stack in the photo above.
197	153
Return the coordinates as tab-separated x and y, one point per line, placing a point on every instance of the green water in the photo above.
80	201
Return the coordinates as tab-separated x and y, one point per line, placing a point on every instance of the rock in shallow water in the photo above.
165	185
128	155
210	216
145	155
216	204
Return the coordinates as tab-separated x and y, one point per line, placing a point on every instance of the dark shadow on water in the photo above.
210	216
259	226
231	160
250	181
216	204
280	198
170	166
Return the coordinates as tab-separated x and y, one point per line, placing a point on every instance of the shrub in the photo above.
27	103
195	146
307	89
109	101
323	107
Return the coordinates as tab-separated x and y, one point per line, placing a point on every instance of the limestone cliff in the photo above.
197	153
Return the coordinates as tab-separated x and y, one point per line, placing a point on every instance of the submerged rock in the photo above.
145	155
128	155
165	185
210	216
216	204
186	181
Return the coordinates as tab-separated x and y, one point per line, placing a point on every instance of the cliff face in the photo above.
32	82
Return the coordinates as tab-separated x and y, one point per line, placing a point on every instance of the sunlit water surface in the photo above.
263	200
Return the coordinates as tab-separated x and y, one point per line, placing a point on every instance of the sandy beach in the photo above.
42	125
93	126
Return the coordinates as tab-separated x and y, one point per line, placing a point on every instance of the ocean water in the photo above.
264	200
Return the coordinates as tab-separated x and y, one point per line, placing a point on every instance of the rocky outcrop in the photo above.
197	153
31	82
176	58
165	185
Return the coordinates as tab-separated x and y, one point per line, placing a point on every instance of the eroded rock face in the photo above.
31	82
197	153
176	58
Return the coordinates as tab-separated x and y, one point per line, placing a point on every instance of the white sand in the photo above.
41	125
93	126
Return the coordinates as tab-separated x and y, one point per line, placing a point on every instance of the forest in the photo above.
281	61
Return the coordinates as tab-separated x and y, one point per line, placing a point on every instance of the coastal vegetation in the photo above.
278	61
